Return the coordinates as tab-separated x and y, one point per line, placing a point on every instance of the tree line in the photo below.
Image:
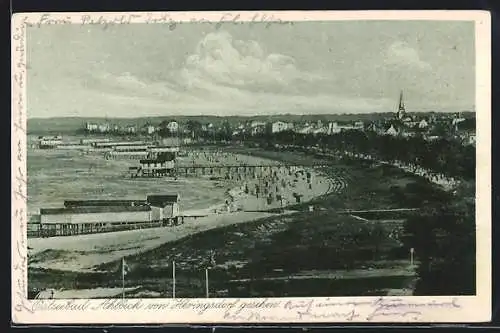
444	155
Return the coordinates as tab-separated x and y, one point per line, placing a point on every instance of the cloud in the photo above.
401	54
128	80
227	76
224	61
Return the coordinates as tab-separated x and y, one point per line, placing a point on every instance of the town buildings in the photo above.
49	142
173	127
281	126
400	123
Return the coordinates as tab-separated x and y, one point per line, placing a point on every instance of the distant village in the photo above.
400	124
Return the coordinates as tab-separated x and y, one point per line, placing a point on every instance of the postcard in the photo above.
251	167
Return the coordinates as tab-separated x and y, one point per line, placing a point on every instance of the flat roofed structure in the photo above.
161	158
131	148
120	143
162	200
157	149
90	216
105	203
94	209
164	206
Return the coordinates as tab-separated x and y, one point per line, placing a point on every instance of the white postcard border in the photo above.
258	310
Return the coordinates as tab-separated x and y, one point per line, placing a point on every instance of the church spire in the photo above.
401	108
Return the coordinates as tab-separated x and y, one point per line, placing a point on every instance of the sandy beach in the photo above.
248	196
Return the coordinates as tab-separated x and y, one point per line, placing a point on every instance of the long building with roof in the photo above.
93	216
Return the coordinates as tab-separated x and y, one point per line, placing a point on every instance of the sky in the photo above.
249	69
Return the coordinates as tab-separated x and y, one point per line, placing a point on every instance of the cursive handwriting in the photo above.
169	19
241	315
390	307
263	18
19	185
269	309
105	22
20	189
226	18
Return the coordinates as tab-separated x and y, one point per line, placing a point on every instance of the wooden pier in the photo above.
240	169
245	167
220	170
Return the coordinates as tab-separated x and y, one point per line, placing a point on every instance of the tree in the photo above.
194	127
163	129
444	239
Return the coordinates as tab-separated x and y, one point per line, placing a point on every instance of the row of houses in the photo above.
400	124
149	129
319	127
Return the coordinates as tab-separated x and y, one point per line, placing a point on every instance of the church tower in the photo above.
401	108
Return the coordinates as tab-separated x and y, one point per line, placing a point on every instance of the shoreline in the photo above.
82	253
236	194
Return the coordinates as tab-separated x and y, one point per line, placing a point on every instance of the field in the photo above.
322	253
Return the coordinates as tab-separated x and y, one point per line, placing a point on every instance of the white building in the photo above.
156	167
163	206
347	127
280	126
321	130
333	128
391	131
150	129
472	140
103	128
359	125
423	124
258	129
91	127
457	120
306	130
49	142
257	123
173	126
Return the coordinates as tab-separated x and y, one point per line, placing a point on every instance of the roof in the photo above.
102	203
392	128
95	209
161	159
166	156
162	200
